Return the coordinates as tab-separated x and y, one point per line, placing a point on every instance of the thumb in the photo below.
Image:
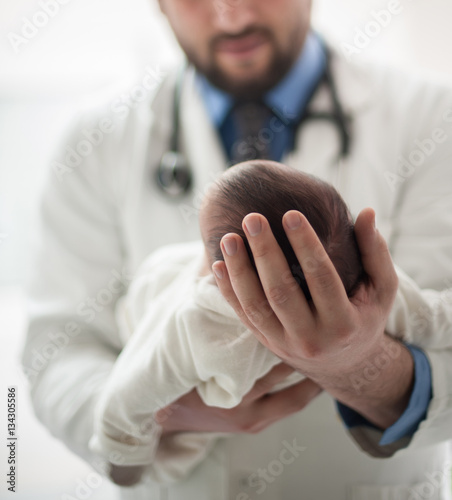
376	259
265	384
287	401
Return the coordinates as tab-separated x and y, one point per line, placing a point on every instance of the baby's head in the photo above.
272	189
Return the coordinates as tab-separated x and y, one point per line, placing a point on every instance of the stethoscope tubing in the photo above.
174	176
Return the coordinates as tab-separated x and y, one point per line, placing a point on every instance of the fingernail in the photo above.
293	220
230	246
253	225
218	272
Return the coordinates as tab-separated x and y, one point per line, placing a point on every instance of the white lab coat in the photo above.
104	217
201	344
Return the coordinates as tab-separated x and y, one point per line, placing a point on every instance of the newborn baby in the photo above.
272	189
179	332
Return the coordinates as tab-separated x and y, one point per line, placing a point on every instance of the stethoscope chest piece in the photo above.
174	174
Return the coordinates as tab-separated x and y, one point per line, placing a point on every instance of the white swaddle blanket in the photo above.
179	333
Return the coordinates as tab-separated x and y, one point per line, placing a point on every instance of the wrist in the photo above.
354	370
379	388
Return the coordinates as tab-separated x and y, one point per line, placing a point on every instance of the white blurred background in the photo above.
85	48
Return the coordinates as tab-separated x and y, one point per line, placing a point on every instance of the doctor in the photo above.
381	427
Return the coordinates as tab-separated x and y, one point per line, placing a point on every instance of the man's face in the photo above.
242	46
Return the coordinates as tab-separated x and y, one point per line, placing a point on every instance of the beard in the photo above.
281	61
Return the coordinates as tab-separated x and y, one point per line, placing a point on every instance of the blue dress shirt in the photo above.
414	413
288	100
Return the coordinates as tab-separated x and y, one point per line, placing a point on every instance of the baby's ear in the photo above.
162	6
206	264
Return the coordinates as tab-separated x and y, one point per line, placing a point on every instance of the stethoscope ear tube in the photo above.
174	176
337	116
342	119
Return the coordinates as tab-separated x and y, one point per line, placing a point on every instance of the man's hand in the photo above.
333	339
257	410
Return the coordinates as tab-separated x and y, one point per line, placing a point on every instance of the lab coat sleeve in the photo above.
182	335
169	340
154	369
421	245
78	274
174	346
422	317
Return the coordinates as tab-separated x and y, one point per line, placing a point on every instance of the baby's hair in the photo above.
272	189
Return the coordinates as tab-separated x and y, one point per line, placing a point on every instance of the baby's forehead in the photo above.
211	197
210	209
221	187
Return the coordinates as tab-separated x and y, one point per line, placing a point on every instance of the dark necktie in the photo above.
253	136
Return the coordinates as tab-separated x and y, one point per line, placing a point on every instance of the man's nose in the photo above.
233	16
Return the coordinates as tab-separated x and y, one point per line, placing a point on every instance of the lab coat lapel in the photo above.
199	139
318	143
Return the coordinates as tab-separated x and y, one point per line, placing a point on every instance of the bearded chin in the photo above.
251	88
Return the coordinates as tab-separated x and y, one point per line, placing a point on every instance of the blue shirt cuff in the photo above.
416	410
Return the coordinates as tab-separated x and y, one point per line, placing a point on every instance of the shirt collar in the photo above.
290	96
217	102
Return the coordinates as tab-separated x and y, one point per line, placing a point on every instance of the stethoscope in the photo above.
174	175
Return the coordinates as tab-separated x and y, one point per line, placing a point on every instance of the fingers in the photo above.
279	284
288	401
325	285
242	288
375	256
280	287
220	272
265	384
258	316
292	313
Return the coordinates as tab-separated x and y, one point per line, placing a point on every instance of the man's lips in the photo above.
241	45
